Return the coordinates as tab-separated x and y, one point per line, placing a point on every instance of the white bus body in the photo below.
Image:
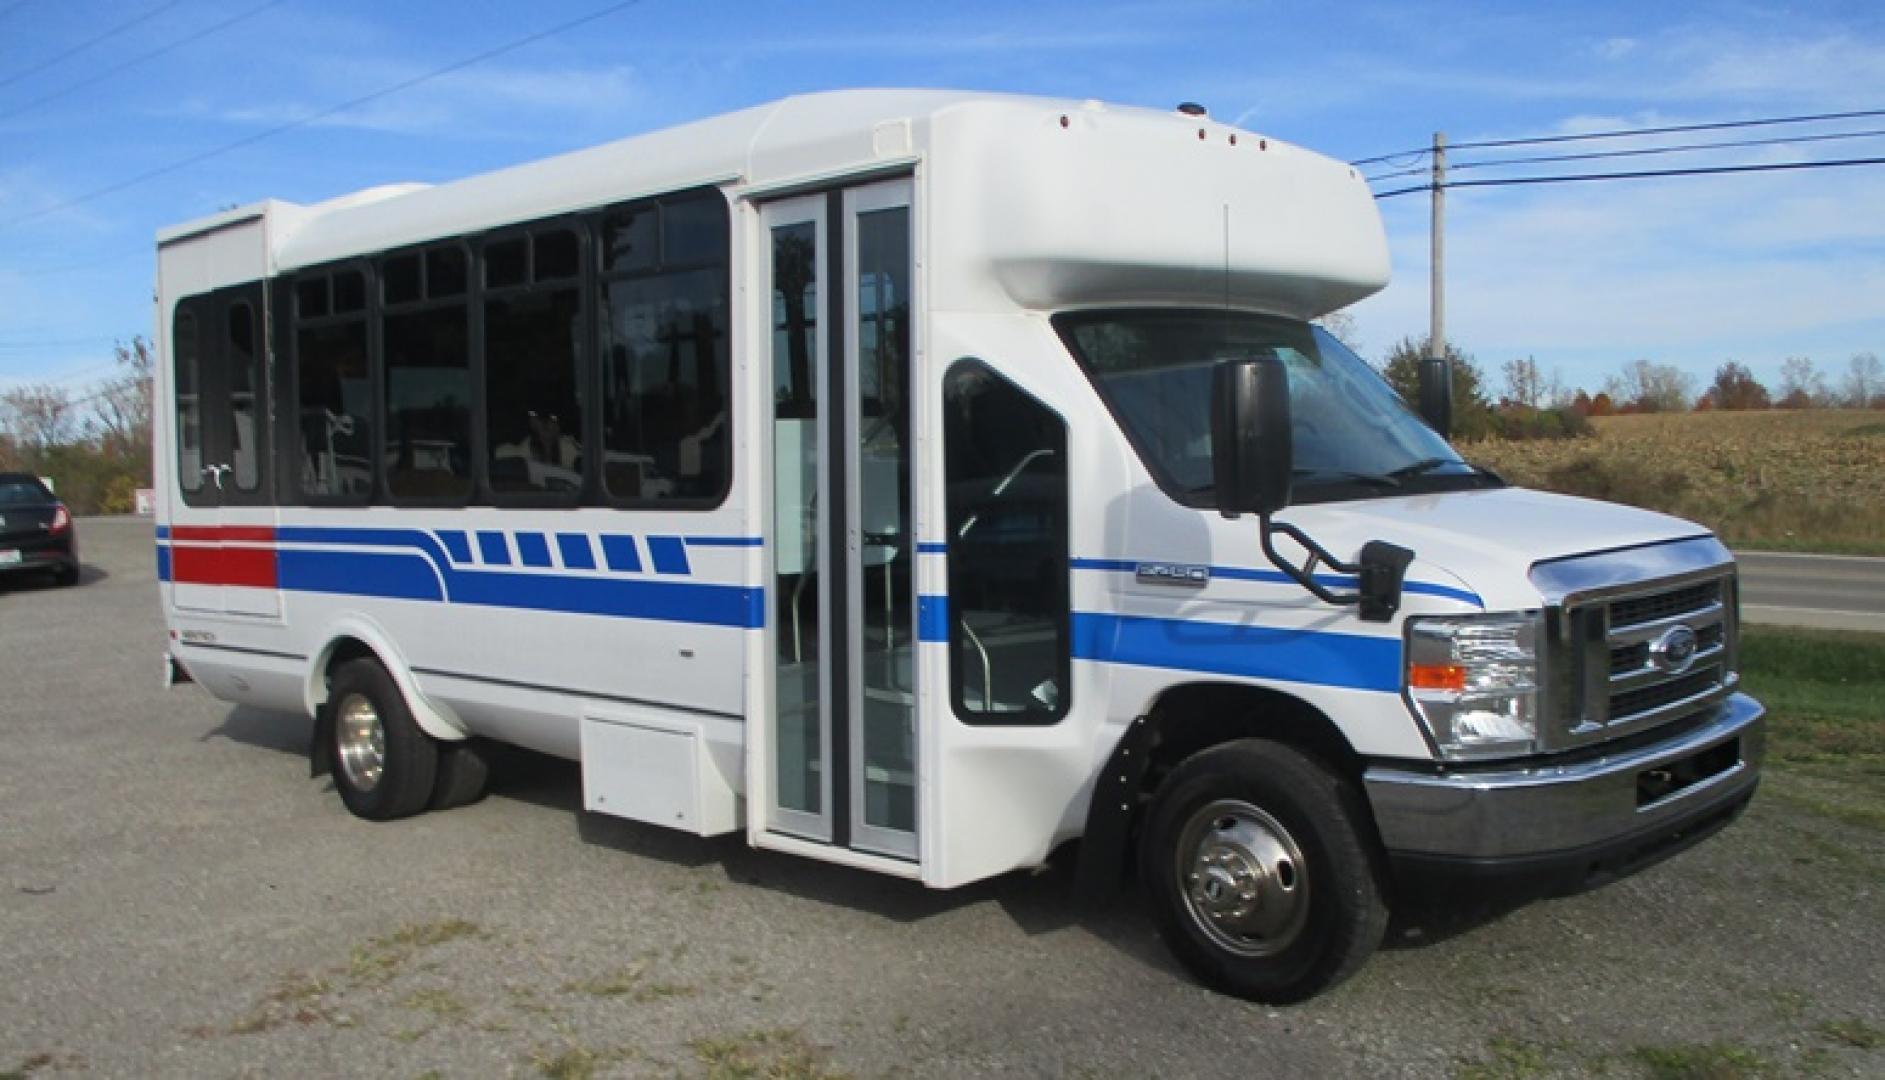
818	471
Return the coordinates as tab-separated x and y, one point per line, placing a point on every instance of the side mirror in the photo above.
1436	394
1251	461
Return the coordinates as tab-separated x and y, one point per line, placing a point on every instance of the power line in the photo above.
249	140
1648	151
1624	133
135	61
89	42
1715	170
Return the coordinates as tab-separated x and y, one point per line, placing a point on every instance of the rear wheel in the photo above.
66	575
464	772
383	765
1263	877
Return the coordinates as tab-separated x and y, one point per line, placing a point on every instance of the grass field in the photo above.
1826	731
1787	481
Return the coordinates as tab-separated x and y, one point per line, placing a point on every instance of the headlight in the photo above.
1473	682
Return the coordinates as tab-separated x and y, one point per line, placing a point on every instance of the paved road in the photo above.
1812	590
179	899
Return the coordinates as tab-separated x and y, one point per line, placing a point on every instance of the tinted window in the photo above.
664	386
555	254
244	399
506	262
428	404
444	272
22	491
311	297
629	239
186	351
693	232
334	411
1005	468
350	291
400	281
534	420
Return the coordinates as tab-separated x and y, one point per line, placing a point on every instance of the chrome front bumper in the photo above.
1594	809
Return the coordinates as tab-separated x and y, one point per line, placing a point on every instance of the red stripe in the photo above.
223	566
239	534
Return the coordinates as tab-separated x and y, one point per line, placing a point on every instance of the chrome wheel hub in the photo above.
1243	878
361	740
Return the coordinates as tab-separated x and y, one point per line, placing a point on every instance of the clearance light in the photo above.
1473	682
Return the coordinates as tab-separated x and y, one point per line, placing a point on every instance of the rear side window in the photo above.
187	352
22	491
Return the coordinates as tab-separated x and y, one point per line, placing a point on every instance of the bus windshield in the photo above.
1353	436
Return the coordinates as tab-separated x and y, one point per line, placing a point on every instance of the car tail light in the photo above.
61	519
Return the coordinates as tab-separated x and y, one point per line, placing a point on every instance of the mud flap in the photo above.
321	743
1105	849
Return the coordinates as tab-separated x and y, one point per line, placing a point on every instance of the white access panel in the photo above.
655	769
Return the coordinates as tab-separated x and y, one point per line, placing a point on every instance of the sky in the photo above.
103	143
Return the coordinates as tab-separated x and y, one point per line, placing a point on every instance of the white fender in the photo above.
436	720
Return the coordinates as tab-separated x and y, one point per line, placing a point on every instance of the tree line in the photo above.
1531	404
95	447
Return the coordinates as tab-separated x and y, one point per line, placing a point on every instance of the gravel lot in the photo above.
179	898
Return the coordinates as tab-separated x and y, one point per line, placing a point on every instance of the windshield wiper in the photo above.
1345	476
1427	465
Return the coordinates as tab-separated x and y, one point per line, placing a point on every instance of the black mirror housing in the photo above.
1436	394
1251	462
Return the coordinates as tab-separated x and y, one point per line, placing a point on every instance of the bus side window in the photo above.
1005	470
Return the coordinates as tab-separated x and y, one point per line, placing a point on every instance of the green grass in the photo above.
1825	696
1854	1033
763	1055
1702	1061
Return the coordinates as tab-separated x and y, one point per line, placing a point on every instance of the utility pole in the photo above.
1436	336
1436	374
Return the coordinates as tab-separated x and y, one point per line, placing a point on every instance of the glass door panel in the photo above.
801	735
882	544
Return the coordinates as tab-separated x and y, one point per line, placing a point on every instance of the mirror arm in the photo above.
1381	570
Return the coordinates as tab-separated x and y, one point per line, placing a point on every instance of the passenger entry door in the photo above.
841	741
222	532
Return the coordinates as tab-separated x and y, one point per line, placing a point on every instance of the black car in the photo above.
36	532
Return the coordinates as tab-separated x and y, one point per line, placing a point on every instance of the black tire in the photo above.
408	767
464	771
66	575
1336	919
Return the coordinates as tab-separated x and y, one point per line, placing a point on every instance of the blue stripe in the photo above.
576	552
1277	577
726	541
456	545
931	547
668	554
620	553
493	550
400	576
410	574
163	532
671	601
163	562
932	618
1256	652
532	550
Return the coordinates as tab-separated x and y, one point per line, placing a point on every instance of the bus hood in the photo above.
1488	540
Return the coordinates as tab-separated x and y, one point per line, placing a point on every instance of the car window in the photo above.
16	491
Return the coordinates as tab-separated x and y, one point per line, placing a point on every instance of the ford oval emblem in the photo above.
1675	650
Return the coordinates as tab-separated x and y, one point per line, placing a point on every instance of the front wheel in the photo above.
1263	877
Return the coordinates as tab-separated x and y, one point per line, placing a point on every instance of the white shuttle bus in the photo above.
921	481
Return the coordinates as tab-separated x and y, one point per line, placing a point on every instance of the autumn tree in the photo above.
1865	385
1523	383
1735	388
1802	386
1647	387
38	417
